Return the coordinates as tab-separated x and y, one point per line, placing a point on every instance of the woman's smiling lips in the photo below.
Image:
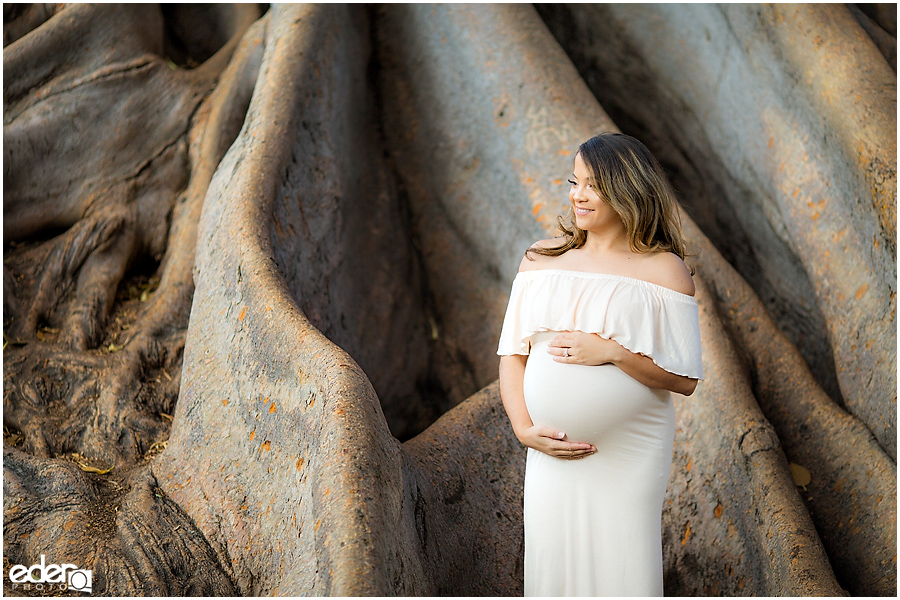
582	211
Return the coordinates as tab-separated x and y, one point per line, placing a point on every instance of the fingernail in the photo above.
561	434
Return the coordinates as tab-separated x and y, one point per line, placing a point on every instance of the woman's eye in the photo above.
572	182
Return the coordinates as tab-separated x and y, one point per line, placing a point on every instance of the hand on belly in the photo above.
553	442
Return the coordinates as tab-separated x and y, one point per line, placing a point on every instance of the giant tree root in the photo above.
64	396
116	206
852	494
133	537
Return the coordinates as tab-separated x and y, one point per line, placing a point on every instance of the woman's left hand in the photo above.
579	348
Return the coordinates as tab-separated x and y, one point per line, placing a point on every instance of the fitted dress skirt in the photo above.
592	525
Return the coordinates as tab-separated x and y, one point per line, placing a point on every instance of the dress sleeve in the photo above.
669	334
513	339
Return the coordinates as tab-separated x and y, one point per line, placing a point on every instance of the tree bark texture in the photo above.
260	274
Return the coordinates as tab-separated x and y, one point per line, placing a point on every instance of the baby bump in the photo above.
593	403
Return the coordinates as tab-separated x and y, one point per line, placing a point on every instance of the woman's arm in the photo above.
546	440
591	349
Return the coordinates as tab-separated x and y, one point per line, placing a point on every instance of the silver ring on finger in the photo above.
566	352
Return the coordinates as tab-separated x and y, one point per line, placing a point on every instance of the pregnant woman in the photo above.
601	327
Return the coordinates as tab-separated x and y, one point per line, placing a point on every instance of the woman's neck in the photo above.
605	242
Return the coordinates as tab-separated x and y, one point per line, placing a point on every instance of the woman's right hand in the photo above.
543	439
553	443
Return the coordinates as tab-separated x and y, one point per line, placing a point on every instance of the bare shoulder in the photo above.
532	261
668	270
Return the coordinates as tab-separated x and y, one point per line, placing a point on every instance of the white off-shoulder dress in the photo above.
592	526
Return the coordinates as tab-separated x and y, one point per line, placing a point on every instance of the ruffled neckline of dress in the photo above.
654	287
644	317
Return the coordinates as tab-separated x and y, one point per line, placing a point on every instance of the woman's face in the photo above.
592	213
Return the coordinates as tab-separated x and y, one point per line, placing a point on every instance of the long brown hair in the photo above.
628	177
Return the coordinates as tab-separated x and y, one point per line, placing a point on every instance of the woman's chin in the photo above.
583	222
